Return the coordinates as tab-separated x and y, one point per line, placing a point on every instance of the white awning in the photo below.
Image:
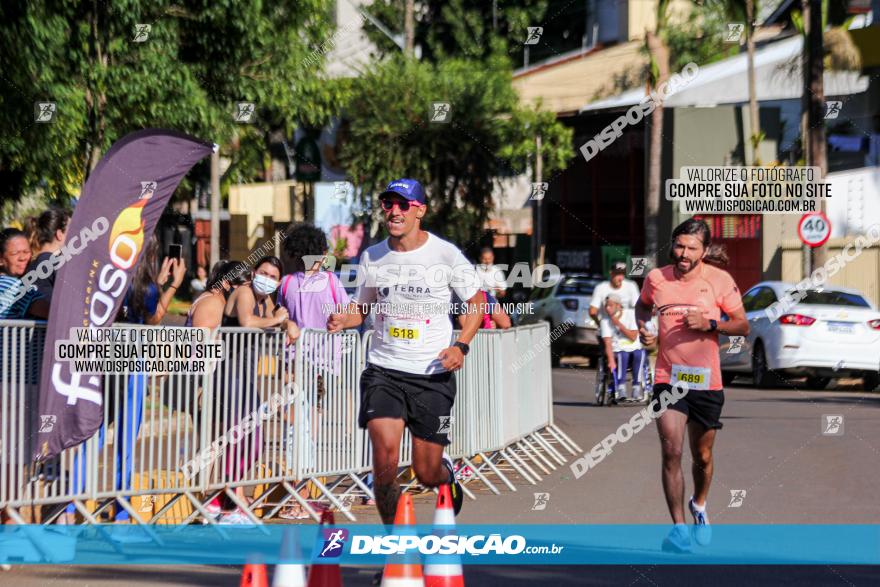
777	77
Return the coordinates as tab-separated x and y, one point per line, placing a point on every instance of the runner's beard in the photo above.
690	267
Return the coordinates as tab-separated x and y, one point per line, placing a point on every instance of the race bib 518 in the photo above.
403	332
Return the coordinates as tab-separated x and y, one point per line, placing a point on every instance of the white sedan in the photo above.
830	333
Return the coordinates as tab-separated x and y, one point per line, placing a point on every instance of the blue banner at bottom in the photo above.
466	544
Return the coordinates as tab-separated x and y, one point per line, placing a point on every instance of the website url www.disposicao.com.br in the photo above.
480	544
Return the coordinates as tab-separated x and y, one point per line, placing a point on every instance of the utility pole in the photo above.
215	205
817	108
806	251
539	205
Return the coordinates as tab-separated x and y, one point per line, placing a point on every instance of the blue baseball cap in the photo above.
409	189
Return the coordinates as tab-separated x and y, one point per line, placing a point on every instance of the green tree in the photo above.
487	136
460	28
108	77
700	36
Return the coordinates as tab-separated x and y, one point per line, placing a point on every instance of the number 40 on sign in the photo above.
814	229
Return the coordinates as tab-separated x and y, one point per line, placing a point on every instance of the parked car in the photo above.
567	300
831	333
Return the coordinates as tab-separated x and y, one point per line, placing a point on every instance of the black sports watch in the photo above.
713	325
464	348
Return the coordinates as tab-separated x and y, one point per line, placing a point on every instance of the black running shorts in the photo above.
423	402
699	405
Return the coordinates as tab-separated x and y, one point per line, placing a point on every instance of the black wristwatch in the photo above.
465	349
713	325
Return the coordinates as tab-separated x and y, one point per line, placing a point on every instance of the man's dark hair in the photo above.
303	239
694	227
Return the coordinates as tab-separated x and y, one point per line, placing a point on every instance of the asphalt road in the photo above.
772	447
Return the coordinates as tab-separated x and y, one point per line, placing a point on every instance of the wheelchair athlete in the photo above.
623	350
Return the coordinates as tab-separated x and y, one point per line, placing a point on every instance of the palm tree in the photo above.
659	73
660	65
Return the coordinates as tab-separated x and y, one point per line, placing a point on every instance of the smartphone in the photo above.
174	251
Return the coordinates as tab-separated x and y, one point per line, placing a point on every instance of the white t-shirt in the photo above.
413	293
619	342
628	291
491	278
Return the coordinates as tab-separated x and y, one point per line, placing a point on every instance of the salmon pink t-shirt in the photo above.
712	290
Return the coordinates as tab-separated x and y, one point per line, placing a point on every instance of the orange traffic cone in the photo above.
325	575
254	575
287	572
449	572
406	574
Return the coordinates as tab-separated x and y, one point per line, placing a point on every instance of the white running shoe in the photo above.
702	529
237	517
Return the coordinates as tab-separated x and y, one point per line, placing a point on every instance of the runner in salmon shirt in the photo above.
689	296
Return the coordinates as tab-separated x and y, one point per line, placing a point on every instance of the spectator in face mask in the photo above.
254	306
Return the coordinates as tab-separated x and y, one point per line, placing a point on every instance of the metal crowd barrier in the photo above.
270	422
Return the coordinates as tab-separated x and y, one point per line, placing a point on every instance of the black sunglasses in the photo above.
388	204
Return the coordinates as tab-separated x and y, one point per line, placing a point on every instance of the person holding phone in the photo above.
148	297
145	303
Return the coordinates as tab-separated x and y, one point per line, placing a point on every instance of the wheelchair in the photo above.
604	377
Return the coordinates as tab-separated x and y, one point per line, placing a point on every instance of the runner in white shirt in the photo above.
409	376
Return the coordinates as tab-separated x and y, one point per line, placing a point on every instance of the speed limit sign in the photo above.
814	229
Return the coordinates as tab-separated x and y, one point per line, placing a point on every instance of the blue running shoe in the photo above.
678	540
